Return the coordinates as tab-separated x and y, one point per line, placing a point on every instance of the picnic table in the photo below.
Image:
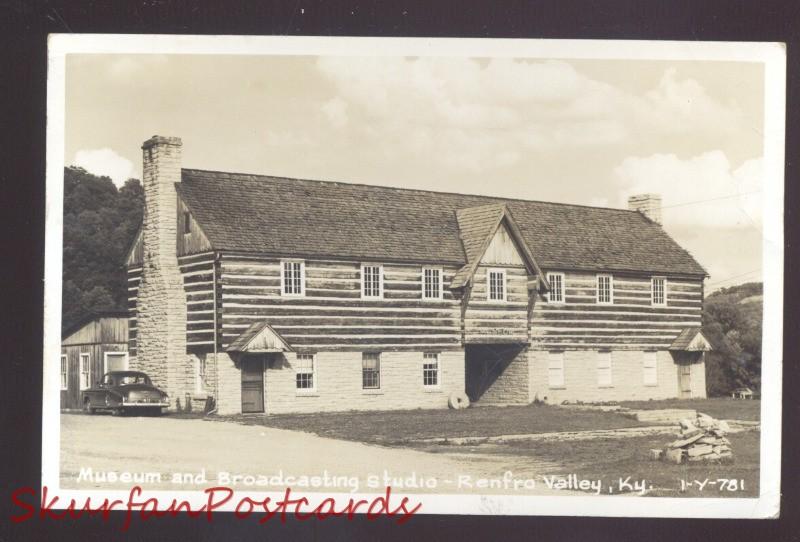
742	393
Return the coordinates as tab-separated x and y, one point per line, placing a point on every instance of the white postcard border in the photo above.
772	55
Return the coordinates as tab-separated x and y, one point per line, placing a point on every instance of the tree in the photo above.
100	223
732	322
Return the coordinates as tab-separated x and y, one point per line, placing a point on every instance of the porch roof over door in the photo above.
691	339
259	338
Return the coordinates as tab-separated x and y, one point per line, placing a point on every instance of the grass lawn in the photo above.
612	459
718	407
399	427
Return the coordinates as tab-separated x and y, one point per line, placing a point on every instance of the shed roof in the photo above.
277	215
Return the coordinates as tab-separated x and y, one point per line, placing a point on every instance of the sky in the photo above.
588	132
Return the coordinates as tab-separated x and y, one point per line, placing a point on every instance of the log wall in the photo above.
506	321
198	272
630	322
332	315
134	278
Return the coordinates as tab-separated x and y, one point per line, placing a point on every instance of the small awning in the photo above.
691	339
259	338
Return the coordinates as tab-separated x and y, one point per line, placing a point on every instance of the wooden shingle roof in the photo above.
304	218
691	339
259	337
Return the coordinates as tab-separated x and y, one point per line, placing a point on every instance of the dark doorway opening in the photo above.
484	365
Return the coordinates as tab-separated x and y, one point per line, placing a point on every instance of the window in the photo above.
650	365
304	372
115	361
371	371
555	370
86	380
64	370
430	370
605	289
371	281
658	289
604	369
431	283
293	278
496	284
556	293
187	222
199	374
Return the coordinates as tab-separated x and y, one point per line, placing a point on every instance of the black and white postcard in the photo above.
399	276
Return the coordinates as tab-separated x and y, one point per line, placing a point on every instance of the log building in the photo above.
285	295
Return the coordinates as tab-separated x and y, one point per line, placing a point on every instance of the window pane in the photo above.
370	370
430	369
604	289
658	290
496	285
304	371
431	279
556	294
293	278
371	280
63	372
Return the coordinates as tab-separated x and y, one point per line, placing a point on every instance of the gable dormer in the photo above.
490	235
498	283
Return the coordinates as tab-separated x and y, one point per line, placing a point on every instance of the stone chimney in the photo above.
161	303
647	204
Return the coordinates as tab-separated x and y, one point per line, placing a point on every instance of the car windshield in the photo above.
123	380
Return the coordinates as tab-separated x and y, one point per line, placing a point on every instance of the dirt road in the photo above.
204	453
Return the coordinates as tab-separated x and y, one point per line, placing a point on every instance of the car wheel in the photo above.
116	411
87	406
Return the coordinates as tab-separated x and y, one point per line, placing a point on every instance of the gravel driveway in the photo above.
193	447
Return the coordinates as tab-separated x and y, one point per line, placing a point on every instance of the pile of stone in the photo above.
701	439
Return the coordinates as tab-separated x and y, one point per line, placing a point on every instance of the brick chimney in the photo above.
161	303
647	204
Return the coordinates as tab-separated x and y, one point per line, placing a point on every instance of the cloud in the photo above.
702	191
105	162
466	112
679	106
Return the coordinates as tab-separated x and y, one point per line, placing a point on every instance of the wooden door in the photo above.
685	380
253	384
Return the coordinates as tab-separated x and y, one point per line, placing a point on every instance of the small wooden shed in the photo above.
89	349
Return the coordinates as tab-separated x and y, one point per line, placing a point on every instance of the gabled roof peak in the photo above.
477	227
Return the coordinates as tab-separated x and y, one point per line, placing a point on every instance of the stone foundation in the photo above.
338	383
580	378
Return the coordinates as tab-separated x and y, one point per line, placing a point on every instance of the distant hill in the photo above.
100	222
732	321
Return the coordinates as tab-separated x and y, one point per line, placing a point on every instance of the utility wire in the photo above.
733	277
710	199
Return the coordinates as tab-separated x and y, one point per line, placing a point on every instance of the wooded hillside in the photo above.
100	222
732	321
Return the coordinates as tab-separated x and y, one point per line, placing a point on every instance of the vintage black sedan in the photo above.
125	391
